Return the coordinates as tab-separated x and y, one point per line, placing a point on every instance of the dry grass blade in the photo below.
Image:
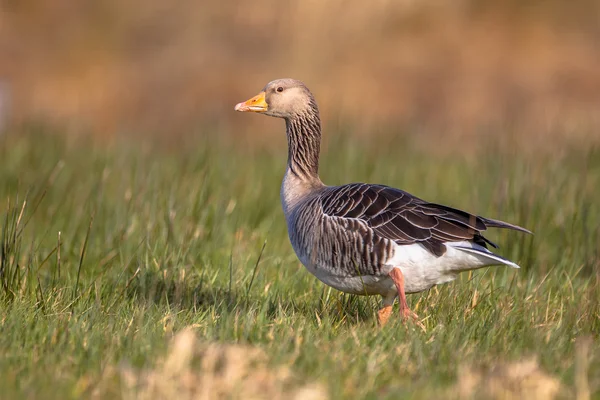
82	257
256	267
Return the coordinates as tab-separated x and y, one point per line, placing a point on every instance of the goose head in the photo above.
282	98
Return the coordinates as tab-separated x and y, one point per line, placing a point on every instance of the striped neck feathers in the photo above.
304	143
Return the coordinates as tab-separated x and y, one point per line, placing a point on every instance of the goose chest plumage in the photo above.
363	238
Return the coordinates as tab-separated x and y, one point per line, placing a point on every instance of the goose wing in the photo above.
399	216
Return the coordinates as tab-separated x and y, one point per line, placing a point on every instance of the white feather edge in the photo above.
483	252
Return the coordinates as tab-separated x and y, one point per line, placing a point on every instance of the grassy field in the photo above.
110	251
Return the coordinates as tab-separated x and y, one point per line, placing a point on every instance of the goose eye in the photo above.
280	89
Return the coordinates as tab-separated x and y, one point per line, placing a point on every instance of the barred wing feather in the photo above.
399	216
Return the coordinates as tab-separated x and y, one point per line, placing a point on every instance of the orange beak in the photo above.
256	104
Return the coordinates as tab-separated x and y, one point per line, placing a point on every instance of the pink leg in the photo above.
405	312
383	315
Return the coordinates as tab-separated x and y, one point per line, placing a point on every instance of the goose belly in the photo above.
418	276
361	285
342	277
421	270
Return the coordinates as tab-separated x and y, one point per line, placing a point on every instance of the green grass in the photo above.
109	250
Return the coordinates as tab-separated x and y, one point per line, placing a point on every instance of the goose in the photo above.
367	239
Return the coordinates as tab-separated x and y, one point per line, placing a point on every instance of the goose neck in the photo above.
304	145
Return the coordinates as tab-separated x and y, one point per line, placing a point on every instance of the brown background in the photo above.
165	67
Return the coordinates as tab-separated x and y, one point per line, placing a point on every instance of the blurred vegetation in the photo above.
453	68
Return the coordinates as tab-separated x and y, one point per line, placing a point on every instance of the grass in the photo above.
110	250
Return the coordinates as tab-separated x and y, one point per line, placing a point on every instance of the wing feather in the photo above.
405	219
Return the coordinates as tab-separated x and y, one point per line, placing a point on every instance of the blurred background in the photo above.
454	69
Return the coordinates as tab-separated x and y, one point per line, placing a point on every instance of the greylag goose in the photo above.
367	239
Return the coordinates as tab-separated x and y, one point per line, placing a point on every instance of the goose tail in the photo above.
486	257
494	223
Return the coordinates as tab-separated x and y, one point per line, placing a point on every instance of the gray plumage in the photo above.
358	230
